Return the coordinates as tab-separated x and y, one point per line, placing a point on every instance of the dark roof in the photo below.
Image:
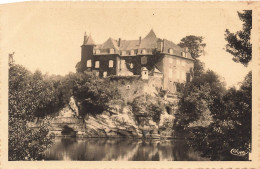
149	42
129	44
89	41
110	43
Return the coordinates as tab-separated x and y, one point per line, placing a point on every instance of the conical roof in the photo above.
89	41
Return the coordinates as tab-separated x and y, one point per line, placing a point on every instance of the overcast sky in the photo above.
48	38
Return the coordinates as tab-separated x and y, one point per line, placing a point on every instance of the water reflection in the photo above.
100	149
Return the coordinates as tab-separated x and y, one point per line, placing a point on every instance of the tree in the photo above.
194	44
239	44
230	113
196	47
92	93
25	97
198	98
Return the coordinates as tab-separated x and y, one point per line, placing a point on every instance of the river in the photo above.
101	149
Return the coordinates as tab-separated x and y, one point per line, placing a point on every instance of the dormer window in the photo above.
111	51
143	51
88	63
97	51
171	51
132	52
97	64
123	53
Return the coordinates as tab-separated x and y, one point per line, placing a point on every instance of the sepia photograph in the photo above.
93	81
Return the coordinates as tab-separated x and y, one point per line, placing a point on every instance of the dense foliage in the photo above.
27	94
217	121
148	106
92	94
239	44
194	44
33	97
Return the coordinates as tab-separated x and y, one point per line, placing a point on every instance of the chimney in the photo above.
119	42
162	45
140	40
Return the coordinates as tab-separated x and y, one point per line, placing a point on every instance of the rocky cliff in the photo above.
121	124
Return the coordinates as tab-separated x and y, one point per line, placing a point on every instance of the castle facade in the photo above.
159	60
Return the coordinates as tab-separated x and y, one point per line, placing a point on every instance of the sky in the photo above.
48	37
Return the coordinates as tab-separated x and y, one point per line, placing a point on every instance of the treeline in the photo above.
34	98
216	120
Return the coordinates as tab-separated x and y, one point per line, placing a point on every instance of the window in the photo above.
171	51
143	60
170	73
111	51
178	62
123	65
178	74
111	63
123	53
97	64
183	63
183	54
128	87
104	74
131	65
183	76
143	51
97	51
188	77
88	63
132	52
170	60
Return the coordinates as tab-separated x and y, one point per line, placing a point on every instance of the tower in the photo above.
144	73
87	52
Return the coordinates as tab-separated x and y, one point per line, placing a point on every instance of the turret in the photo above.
144	73
87	52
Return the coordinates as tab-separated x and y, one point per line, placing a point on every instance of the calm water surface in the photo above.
101	149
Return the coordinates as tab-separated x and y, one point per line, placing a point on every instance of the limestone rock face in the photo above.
68	116
121	124
118	125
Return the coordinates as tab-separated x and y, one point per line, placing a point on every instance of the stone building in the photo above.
150	57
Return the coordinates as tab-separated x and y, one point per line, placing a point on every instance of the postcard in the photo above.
129	85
